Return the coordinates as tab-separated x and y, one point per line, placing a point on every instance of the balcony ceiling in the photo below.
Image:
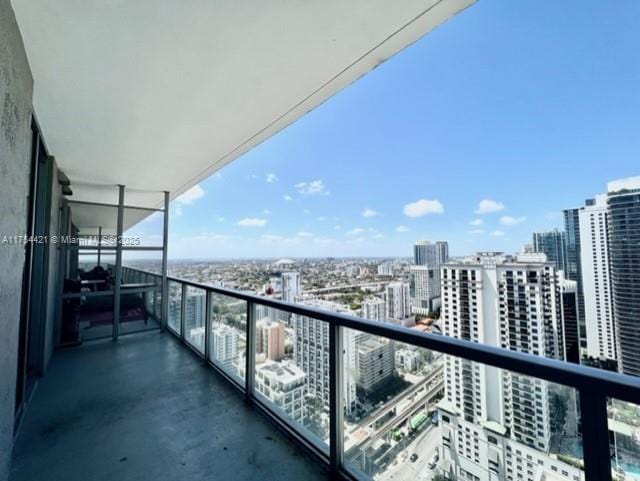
159	94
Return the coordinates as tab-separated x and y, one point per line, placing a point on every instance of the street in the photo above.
425	446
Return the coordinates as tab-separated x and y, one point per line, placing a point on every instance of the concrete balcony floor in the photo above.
145	408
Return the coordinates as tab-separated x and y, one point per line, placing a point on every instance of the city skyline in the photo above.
356	177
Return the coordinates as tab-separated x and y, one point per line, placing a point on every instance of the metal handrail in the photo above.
594	386
620	386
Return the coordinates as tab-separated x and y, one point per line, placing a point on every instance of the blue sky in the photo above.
532	106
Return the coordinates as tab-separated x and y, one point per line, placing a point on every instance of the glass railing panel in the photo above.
139	292
157	299
87	311
419	414
194	317
174	321
137	303
91	315
228	337
624	439
149	301
292	370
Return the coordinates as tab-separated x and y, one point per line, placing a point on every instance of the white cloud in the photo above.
509	220
402	228
312	187
378	236
321	219
305	234
270	178
476	222
176	210
423	207
220	219
370	213
497	233
355	231
252	222
190	196
488	206
476	232
287	197
337	227
266	212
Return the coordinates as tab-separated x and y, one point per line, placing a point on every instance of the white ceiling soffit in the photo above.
91	217
158	94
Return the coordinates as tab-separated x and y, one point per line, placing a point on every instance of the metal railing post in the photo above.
251	352
164	310
207	326
595	435
336	410
183	310
118	277
99	243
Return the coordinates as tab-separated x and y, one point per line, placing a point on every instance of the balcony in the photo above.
125	373
146	408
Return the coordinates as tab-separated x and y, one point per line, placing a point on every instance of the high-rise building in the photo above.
270	339
553	244
194	310
374	308
427	254
397	297
225	344
425	275
492	418
311	354
385	269
375	363
291	286
596	279
574	269
569	291
623	206
194	318
424	289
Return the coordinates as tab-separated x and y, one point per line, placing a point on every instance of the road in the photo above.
409	411
425	446
344	287
381	412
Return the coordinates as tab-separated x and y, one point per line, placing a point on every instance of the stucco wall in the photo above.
16	88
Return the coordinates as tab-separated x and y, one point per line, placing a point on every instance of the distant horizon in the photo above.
302	258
